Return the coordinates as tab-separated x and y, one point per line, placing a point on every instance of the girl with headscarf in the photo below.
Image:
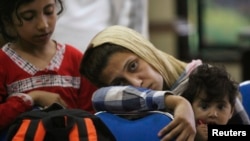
120	56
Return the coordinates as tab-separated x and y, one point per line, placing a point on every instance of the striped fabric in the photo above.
128	99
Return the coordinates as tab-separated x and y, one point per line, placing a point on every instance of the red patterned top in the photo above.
61	76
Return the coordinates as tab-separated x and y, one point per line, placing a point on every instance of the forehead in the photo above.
34	4
219	99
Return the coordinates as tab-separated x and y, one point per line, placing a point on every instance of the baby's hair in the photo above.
8	8
215	81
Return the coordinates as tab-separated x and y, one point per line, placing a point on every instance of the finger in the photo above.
171	134
179	133
184	136
191	137
168	128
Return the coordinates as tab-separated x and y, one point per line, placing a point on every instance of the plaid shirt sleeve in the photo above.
128	99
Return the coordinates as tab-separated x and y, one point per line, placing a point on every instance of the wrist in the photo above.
25	97
172	101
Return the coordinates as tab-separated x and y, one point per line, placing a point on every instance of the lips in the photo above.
201	122
43	37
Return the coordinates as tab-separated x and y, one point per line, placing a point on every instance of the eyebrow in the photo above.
221	101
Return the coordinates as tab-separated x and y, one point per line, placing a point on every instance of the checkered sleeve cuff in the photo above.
128	99
25	97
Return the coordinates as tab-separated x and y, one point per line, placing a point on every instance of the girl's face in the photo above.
125	68
39	19
215	112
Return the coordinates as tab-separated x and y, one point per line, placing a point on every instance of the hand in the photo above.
202	132
182	128
45	98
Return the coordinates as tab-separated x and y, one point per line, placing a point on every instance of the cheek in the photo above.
198	113
24	30
150	72
223	119
53	20
226	115
155	77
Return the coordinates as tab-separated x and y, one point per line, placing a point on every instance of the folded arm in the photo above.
127	99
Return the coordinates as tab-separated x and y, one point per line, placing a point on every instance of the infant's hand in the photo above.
45	98
202	131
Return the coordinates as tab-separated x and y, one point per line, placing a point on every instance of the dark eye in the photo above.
221	106
49	10
133	66
204	105
27	16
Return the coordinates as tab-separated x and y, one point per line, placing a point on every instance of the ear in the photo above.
232	111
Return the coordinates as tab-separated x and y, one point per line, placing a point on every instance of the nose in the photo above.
42	23
134	81
213	113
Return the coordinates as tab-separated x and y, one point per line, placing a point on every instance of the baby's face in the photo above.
214	112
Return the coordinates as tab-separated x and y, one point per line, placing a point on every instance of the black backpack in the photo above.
59	125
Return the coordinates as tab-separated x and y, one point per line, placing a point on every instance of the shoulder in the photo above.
69	50
3	51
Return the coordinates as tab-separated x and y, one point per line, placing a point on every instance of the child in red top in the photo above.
34	69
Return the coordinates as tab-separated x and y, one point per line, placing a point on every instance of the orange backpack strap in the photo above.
21	132
92	136
59	124
30	129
